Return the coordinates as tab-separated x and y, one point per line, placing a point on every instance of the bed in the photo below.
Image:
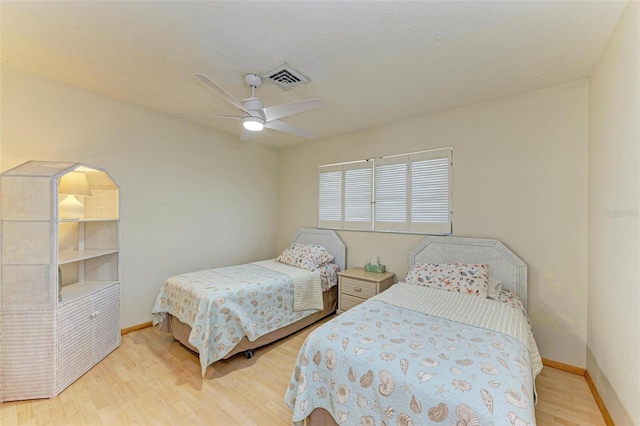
417	354
221	312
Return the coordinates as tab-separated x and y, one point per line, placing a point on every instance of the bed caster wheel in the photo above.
248	354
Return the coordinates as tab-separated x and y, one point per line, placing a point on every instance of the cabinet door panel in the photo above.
75	340
106	305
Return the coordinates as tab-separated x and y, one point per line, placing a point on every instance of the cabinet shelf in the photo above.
77	290
78	255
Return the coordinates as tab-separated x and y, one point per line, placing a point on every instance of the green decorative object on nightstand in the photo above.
374	268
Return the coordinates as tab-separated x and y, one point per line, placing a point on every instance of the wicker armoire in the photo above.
60	279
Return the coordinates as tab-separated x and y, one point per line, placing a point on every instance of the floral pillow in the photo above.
305	256
471	279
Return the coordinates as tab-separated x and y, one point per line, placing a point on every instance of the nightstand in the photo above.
355	285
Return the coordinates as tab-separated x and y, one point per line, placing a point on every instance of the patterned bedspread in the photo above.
223	305
380	363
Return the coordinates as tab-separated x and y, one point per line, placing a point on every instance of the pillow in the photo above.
510	298
328	275
471	279
305	256
495	287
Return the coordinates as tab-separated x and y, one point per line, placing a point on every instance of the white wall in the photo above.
519	176
613	338
191	197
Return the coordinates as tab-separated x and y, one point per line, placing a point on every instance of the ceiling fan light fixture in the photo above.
253	124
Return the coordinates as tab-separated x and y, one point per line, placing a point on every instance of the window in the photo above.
401	193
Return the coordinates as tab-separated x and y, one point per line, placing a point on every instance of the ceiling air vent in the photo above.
285	76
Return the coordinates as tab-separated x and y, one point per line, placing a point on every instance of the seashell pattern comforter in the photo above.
223	305
415	355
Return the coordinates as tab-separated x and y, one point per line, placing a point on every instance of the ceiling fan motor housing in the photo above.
253	80
253	104
255	107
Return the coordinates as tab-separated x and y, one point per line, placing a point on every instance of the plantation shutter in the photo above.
430	195
358	188
391	194
330	197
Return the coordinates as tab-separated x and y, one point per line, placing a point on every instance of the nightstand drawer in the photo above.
358	288
348	302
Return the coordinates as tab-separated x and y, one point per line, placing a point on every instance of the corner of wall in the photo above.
605	392
613	236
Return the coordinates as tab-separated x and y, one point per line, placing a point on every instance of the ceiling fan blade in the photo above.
286	127
279	111
181	114
220	91
245	134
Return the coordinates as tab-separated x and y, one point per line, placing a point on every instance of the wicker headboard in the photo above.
504	265
327	239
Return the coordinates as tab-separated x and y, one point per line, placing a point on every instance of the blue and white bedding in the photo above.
223	305
416	355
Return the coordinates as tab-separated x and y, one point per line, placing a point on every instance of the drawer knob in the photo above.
358	289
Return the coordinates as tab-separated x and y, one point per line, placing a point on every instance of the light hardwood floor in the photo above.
152	379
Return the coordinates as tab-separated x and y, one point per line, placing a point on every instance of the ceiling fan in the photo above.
255	116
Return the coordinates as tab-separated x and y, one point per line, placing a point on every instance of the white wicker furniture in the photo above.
50	337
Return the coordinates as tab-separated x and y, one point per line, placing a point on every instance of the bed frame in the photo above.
324	237
504	265
327	239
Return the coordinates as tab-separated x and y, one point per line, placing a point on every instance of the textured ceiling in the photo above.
370	62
